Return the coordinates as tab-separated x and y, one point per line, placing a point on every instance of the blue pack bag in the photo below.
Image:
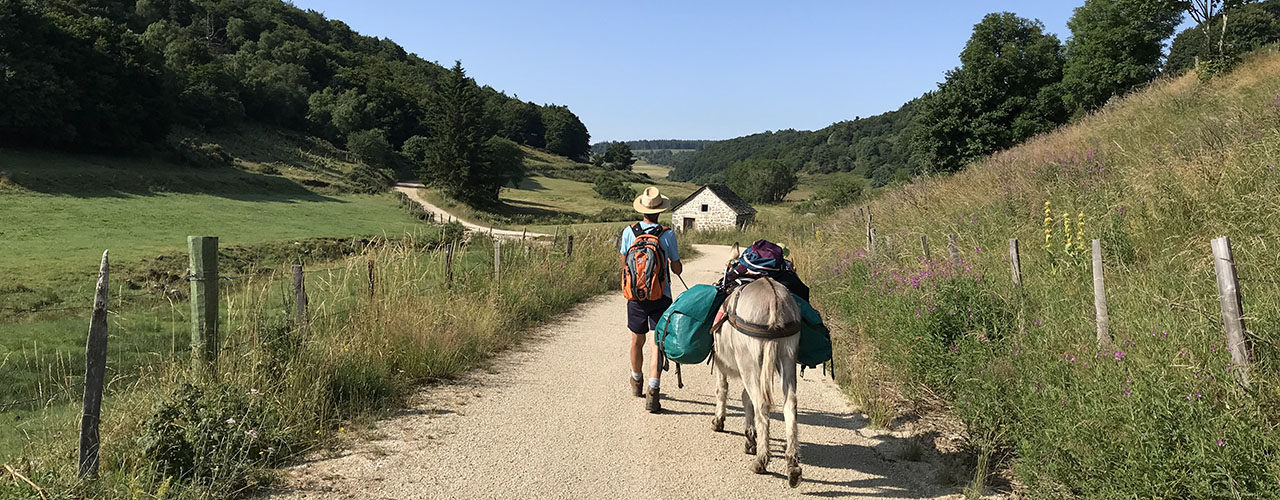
684	331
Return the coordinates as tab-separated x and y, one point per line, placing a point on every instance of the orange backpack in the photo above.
644	267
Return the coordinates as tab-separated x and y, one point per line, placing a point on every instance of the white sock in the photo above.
653	383
636	376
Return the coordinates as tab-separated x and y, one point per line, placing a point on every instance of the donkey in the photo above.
760	339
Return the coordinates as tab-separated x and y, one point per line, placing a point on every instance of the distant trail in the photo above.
410	189
555	419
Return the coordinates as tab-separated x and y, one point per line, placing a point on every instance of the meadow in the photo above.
61	211
1157	413
282	391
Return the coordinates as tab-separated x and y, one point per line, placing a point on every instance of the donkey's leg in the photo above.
722	396
789	415
749	417
760	402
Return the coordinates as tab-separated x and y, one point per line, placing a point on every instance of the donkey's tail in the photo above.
768	369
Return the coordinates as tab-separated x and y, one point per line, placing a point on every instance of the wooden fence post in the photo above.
371	280
568	251
1224	266
555	237
523	232
888	243
497	261
448	265
204	301
95	368
870	233
924	246
1100	298
300	299
1015	264
951	247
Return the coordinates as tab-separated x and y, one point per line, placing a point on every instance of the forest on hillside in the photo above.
653	144
1015	81
119	75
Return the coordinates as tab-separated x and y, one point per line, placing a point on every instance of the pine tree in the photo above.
457	145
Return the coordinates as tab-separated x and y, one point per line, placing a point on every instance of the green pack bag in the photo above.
684	331
815	337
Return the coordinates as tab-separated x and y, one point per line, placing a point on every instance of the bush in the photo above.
370	146
214	436
369	180
841	193
611	188
203	154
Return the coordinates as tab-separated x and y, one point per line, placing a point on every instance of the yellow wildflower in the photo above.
1066	232
1080	231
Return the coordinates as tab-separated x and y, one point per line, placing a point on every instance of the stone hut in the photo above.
712	207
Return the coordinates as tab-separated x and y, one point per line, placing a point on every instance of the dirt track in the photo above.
410	189
555	419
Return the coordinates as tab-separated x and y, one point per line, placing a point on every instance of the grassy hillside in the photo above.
1156	414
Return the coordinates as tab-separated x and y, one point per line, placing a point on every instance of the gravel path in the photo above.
410	189
555	419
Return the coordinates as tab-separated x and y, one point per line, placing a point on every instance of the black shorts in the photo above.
643	316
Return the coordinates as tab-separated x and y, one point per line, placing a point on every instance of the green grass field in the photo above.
62	211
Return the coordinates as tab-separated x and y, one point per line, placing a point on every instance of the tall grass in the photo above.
1155	176
282	391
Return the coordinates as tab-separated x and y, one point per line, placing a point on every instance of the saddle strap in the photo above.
755	329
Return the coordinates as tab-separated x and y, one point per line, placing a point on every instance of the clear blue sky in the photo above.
644	69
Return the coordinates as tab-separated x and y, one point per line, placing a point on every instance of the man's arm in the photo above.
668	239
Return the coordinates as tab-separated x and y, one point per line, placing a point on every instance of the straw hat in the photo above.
651	202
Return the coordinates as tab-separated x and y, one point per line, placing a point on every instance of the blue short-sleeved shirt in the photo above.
667	240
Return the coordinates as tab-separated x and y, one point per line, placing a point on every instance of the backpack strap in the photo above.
637	230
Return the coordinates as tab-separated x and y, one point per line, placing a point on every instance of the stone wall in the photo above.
717	216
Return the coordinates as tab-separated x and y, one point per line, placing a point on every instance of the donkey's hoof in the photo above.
760	464
793	476
717	424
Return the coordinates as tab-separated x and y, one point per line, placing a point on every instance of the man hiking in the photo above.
649	255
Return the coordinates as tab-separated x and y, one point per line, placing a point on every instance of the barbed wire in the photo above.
189	278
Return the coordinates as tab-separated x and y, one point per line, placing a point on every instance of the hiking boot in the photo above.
653	402
637	387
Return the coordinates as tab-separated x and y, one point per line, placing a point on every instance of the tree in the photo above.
610	187
370	146
596	160
456	145
1004	91
619	156
761	180
566	135
1252	25
1115	46
503	166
